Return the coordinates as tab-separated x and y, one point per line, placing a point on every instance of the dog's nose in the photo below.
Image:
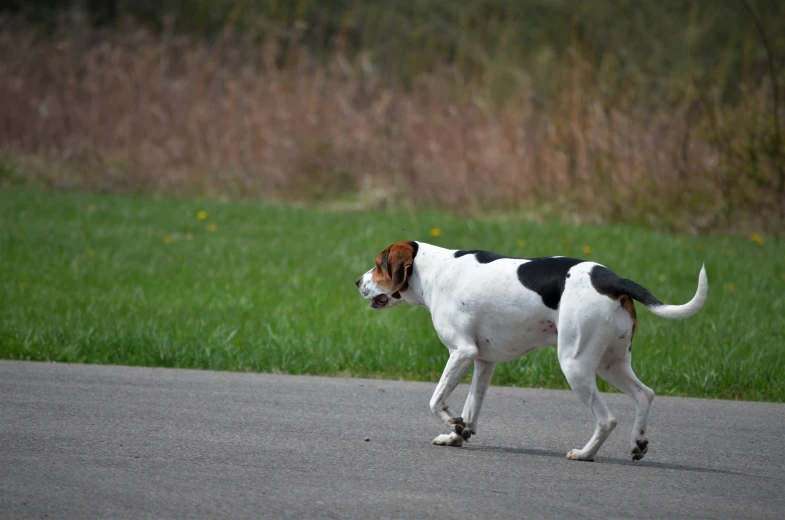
357	281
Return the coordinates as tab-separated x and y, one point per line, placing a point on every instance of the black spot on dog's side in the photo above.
546	277
483	257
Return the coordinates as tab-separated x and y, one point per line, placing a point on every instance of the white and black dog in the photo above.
487	308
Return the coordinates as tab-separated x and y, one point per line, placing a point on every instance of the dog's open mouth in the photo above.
379	301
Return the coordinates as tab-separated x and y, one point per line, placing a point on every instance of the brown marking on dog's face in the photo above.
393	266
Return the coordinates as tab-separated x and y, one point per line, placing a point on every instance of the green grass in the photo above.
139	281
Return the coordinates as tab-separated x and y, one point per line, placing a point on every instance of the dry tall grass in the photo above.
135	111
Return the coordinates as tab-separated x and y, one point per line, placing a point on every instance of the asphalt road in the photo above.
115	442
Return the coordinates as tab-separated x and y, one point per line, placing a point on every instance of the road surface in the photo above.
85	442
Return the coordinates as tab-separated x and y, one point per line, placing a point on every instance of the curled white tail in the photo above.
689	308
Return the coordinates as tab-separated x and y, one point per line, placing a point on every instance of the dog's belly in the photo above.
505	343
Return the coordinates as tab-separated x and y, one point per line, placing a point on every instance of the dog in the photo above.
488	308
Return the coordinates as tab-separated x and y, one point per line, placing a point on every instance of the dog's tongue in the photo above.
381	299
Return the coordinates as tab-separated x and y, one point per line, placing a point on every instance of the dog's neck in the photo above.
428	263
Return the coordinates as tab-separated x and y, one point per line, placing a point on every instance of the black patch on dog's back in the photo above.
484	257
546	277
612	285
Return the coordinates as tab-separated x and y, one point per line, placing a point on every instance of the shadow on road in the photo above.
603	460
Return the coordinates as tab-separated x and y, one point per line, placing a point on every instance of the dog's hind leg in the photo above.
584	385
615	368
579	355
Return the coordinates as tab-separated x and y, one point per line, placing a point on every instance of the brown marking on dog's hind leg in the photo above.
628	304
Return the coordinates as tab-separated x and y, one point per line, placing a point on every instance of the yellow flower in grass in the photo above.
587	250
522	243
22	286
731	252
201	215
212	228
662	277
730	286
435	232
90	252
168	239
757	239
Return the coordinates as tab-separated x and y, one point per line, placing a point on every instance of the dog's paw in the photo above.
460	427
640	447
579	455
449	439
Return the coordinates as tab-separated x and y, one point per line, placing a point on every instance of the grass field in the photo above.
241	286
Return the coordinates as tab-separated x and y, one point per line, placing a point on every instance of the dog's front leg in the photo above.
460	360
483	372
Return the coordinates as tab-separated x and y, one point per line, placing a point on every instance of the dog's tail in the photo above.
608	283
664	310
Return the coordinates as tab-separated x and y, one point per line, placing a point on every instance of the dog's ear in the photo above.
398	261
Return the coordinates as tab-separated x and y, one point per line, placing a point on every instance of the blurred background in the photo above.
197	184
654	112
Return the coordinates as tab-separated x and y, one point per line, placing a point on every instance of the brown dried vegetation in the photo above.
134	111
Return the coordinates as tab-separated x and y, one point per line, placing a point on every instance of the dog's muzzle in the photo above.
379	301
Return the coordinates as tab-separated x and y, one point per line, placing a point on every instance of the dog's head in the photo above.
382	284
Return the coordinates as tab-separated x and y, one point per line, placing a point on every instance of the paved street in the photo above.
116	442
